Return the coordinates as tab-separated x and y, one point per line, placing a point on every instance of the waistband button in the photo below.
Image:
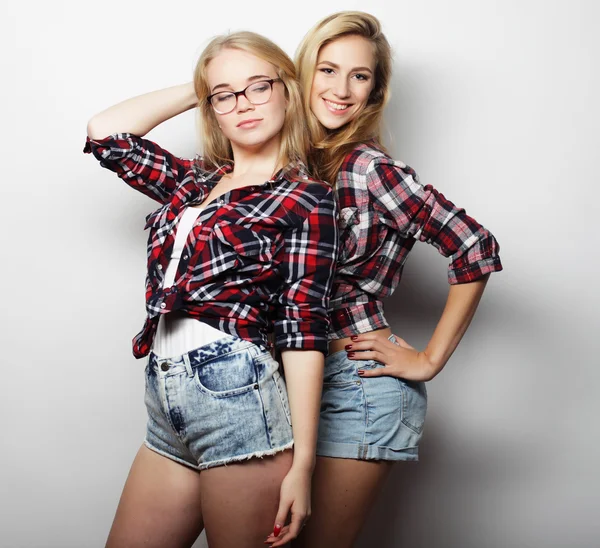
164	366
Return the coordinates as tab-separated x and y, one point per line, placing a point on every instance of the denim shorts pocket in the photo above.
225	376
414	404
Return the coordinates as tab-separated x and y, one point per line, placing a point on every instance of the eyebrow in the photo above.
251	79
367	69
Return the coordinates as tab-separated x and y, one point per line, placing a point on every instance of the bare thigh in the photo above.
160	505
343	493
240	501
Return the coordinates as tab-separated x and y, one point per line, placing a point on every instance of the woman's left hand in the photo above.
399	360
295	500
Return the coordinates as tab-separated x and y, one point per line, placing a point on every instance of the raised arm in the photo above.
140	114
115	138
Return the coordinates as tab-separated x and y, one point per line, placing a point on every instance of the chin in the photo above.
332	123
254	141
328	120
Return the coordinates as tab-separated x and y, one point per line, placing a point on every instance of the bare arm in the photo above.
404	361
140	114
462	302
304	379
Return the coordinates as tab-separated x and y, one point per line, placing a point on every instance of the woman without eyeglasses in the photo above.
374	396
241	232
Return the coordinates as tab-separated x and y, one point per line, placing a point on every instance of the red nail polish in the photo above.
351	354
276	530
348	346
354	337
361	372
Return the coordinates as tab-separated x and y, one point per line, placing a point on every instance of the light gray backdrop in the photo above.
495	103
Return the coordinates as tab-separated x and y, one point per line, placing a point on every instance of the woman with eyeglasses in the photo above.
243	238
374	396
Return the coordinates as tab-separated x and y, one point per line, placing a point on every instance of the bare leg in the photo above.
160	505
240	501
344	491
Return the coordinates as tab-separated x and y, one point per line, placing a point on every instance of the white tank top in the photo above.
178	333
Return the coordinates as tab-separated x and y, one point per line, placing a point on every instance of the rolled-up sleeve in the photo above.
424	213
141	163
306	263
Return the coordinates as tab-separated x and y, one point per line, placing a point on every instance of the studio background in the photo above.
494	103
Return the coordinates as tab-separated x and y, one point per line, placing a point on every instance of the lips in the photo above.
336	108
253	122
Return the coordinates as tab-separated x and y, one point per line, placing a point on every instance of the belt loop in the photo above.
188	366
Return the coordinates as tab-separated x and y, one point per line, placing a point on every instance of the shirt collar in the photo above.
296	170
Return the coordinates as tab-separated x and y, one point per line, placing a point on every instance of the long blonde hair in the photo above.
329	147
294	138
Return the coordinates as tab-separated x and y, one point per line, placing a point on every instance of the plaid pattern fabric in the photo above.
384	209
257	255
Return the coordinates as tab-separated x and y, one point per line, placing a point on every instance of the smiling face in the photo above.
247	126
343	80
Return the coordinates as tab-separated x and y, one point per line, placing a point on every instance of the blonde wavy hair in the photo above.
329	147
294	138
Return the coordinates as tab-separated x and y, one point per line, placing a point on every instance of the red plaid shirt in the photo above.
256	255
384	209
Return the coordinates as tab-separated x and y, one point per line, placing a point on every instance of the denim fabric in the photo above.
378	418
223	402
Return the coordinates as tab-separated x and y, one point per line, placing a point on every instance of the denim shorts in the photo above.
224	402
371	418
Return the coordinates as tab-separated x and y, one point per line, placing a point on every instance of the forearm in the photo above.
304	379
460	308
139	115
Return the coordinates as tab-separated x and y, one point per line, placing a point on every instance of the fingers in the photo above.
371	344
291	531
367	355
378	372
280	519
288	532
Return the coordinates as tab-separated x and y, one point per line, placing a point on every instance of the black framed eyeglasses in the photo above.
258	93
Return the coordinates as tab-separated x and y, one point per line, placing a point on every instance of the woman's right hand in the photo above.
295	499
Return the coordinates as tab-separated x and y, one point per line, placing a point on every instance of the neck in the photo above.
261	159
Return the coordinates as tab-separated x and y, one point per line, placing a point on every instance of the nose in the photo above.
243	105
341	88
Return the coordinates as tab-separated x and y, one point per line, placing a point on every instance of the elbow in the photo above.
95	129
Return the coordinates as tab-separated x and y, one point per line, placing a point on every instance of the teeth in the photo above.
336	106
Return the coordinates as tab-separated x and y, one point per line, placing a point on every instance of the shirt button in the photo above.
221	202
163	305
159	267
256	387
185	257
164	366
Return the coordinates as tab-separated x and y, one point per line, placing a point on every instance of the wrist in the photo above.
431	366
304	463
190	95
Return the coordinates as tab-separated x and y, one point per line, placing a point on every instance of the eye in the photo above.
222	97
259	88
327	70
362	77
